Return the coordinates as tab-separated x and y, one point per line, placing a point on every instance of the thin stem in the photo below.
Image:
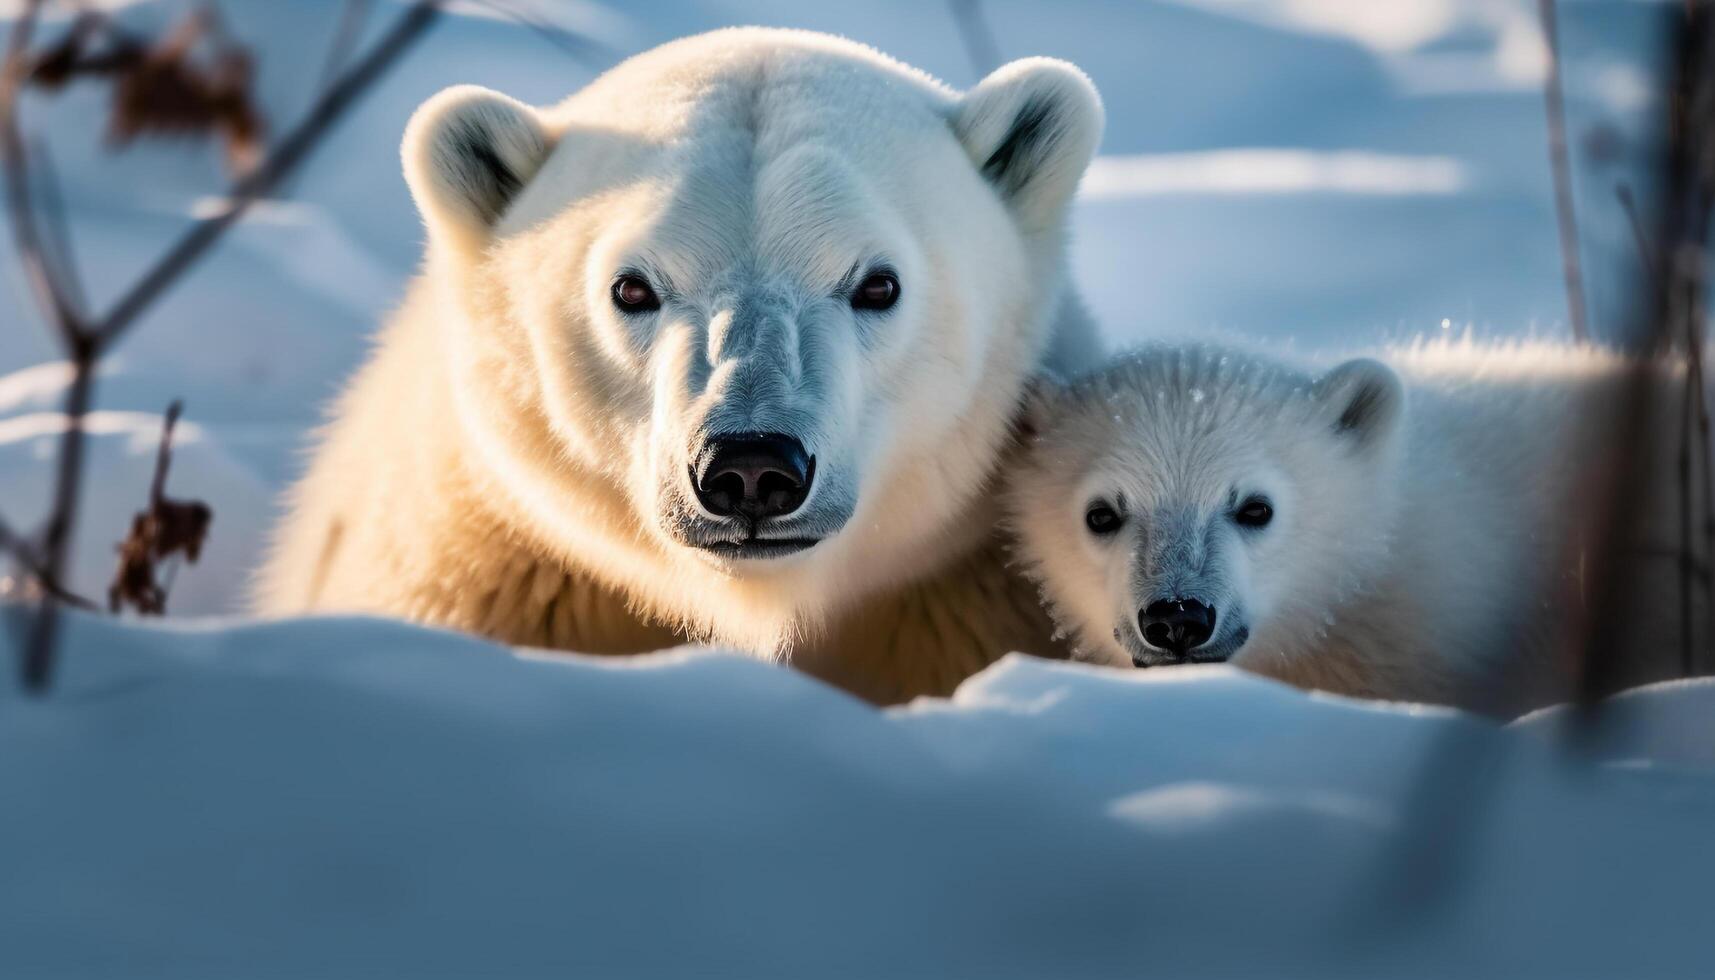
279	165
1561	162
1640	238
585	50
25	556
51	294
85	342
351	20
56	543
978	38
58	232
1674	311
1687	431
164	455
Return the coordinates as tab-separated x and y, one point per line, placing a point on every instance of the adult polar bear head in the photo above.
742	325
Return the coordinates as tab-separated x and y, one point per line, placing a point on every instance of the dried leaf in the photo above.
169	527
193	81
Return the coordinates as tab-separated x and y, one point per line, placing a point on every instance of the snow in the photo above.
349	797
1253	170
1665	724
218	797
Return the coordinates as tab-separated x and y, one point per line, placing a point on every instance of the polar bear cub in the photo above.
1413	532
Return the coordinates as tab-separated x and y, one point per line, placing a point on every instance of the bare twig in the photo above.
57	300
1646	251
51	294
85	340
60	300
1687	558
1675	312
352	17
279	165
11	543
977	36
164	453
1694	441
1697	435
1560	160
57	230
582	48
1446	810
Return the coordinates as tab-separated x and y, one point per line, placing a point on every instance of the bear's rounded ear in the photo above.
1031	127
468	151
1364	400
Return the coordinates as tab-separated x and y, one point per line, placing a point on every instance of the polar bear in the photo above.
1414	532
726	347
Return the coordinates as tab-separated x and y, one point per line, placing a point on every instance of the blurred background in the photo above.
1325	175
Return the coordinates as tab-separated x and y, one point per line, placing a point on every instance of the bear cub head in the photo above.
1191	504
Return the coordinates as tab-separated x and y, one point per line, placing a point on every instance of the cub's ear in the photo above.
1364	401
468	151
1031	127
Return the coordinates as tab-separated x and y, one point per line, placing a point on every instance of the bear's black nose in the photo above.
755	475
1177	625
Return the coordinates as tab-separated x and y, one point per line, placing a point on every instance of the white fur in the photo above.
513	458
1430	550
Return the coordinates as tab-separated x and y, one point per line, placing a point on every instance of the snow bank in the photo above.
358	798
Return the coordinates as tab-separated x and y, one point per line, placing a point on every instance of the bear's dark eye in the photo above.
1254	512
1102	520
632	294
876	293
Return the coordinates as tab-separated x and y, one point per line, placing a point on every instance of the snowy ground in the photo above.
357	798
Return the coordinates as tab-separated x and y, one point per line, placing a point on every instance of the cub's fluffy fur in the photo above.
1426	520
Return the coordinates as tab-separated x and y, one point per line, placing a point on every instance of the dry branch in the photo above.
51	275
1674	315
1561	163
976	35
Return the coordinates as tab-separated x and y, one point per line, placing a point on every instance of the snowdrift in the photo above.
349	797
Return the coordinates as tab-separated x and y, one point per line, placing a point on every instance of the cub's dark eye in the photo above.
634	295
1102	520
1254	512
876	293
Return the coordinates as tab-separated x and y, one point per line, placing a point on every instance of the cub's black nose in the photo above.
755	475
1177	625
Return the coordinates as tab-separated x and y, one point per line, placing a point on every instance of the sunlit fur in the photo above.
1430	553
514	458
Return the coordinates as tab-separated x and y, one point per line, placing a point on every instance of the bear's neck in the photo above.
921	639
